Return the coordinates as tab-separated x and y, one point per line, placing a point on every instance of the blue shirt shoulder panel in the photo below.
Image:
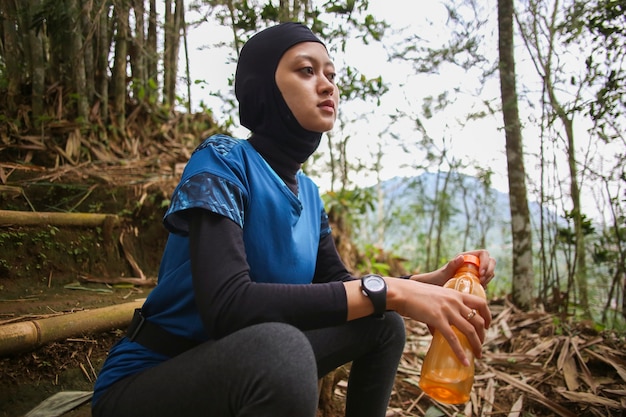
214	179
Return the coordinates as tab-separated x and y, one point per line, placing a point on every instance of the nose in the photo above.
327	86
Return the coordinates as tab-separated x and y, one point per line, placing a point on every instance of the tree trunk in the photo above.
580	271
37	66
284	11
577	215
520	217
430	263
469	218
102	49
87	23
79	78
443	216
380	201
120	63
173	21
187	69
12	52
624	296
176	32
438	216
151	46
167	52
138	54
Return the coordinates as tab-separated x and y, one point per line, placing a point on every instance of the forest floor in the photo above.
534	364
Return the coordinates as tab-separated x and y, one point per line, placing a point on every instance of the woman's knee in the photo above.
280	337
284	349
286	371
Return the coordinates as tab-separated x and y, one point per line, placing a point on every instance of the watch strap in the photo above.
379	297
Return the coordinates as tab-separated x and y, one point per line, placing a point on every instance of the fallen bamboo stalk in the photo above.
29	335
131	259
144	282
11	190
30	218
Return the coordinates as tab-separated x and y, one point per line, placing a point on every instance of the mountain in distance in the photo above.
408	204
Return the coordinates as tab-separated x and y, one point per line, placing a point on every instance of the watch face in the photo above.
374	283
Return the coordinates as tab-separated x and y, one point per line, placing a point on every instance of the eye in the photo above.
308	70
331	76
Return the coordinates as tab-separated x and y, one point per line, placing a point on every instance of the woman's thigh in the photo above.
263	370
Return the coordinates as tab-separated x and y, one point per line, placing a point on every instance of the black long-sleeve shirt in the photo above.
228	300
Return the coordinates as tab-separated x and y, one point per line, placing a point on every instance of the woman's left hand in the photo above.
486	271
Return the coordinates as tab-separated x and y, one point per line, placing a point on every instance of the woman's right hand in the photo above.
438	307
441	308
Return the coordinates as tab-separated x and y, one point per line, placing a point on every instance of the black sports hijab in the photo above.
276	134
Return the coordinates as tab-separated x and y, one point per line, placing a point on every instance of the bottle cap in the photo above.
471	259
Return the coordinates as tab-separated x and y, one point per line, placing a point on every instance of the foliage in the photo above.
570	52
602	25
348	205
374	261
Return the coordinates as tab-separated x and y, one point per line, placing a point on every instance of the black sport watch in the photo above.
375	288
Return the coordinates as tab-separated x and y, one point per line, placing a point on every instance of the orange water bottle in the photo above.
444	377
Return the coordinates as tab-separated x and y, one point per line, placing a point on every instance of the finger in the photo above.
455	344
490	271
483	312
479	322
455	264
481	306
474	330
486	268
468	326
487	264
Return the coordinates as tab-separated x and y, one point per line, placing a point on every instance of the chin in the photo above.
322	127
322	130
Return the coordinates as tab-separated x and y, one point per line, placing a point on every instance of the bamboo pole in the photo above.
29	218
29	335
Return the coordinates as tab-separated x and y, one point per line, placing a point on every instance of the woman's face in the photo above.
306	78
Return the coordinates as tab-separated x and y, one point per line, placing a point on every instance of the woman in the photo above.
253	303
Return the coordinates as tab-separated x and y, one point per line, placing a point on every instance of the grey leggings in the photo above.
266	370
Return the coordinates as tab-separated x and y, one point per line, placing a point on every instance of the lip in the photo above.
327	105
